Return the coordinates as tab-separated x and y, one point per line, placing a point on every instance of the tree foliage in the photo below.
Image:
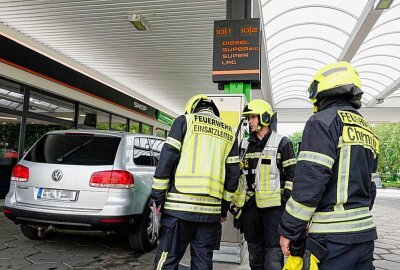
389	149
296	140
389	153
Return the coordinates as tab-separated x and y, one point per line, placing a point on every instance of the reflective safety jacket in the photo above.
268	171
333	192
198	170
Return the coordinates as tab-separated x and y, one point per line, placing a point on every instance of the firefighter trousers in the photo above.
176	234
260	227
347	256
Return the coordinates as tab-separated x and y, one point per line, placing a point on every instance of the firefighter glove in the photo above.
310	262
237	217
293	263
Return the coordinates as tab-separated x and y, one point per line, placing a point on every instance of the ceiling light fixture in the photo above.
138	21
382	4
8	118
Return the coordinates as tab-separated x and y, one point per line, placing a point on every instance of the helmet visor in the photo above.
313	89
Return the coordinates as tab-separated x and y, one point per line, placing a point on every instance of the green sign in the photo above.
165	118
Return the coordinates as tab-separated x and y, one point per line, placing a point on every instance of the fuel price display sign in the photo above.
236	50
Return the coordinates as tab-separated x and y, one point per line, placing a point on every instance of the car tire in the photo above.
140	239
29	232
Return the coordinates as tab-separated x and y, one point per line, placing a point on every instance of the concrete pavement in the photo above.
75	251
387	219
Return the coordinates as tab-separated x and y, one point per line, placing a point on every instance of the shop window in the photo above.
147	151
37	128
11	96
9	138
147	129
156	146
161	133
134	126
142	153
51	106
93	118
118	123
9	135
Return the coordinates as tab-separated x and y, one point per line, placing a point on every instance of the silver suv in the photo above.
82	179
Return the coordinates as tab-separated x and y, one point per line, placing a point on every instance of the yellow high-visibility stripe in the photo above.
299	210
278	199
249	194
234	159
289	162
268	195
160	184
260	154
317	158
340	145
192	208
173	142
264	201
201	184
228	196
347	226
264	176
344	215
193	198
199	177
343	177
201	189
195	152
288	185
162	260
253	155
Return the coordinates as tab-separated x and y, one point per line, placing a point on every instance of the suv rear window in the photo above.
147	151
74	149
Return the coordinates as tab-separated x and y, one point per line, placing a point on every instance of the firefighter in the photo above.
333	192
193	185
265	184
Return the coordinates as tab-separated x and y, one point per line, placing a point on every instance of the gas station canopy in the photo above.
171	60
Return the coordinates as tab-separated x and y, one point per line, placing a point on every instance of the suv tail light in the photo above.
112	179
20	173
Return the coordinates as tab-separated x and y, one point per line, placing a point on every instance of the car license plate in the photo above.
56	194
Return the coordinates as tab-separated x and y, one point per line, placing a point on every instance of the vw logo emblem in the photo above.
57	175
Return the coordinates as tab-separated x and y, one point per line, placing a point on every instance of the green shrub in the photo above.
391	185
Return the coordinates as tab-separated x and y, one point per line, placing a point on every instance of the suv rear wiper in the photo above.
61	158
